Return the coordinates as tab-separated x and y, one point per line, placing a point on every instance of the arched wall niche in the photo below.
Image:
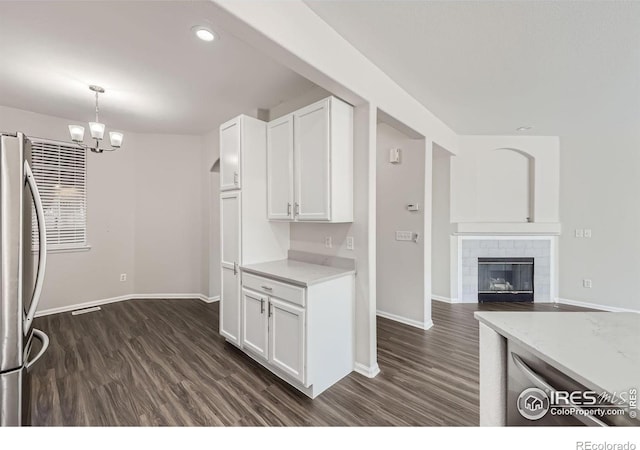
505	185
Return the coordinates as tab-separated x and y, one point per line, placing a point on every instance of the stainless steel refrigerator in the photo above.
22	271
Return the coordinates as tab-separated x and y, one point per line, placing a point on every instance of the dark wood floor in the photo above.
162	362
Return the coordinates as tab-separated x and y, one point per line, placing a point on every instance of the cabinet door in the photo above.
230	155
312	162
254	322
230	251
230	305
280	169
287	338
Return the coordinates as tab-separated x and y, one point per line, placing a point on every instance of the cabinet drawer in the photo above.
284	291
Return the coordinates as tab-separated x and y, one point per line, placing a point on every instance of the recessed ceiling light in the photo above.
204	33
523	128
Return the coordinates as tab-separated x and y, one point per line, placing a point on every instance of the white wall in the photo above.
599	191
503	185
481	169
169	235
211	208
400	264
293	104
143	204
441	224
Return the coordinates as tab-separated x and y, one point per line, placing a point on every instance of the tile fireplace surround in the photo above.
541	248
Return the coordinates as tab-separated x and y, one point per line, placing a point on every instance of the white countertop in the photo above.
600	350
297	272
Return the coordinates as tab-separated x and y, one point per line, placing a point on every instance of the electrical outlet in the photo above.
123	277
587	283
579	232
328	243
404	235
349	242
587	232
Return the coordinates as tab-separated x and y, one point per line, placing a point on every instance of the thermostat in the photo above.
413	207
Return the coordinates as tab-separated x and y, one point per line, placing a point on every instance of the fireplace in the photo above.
505	279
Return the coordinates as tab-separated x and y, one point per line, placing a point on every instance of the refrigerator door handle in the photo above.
42	253
541	383
42	337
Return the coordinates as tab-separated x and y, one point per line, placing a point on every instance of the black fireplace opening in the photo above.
505	280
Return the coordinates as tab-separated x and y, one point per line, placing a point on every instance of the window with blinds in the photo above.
60	171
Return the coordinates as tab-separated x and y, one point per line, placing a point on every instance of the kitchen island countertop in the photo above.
601	350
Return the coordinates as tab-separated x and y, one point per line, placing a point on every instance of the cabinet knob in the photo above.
270	309
235	177
266	288
297	209
261	306
289	209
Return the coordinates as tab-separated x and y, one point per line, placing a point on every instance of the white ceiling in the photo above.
490	67
158	76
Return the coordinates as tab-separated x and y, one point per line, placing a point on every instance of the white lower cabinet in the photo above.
274	330
255	322
302	334
230	307
286	338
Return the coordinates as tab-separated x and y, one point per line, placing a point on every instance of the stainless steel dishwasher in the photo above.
530	383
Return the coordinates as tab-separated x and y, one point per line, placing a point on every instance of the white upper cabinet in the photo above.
310	164
230	155
312	158
280	168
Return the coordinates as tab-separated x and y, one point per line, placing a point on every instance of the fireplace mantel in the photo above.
507	228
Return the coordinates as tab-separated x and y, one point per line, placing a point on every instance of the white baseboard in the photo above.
566	301
367	371
67	308
440	298
404	320
121	298
170	297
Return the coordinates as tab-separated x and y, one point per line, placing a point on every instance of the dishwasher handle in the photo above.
539	382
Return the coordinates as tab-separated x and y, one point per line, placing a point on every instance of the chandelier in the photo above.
97	130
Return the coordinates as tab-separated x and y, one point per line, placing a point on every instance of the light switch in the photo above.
328	242
404	235
587	232
579	232
394	155
587	283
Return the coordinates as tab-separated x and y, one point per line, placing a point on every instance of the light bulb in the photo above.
76	132
116	138
97	130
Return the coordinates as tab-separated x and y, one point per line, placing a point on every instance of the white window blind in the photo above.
60	171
